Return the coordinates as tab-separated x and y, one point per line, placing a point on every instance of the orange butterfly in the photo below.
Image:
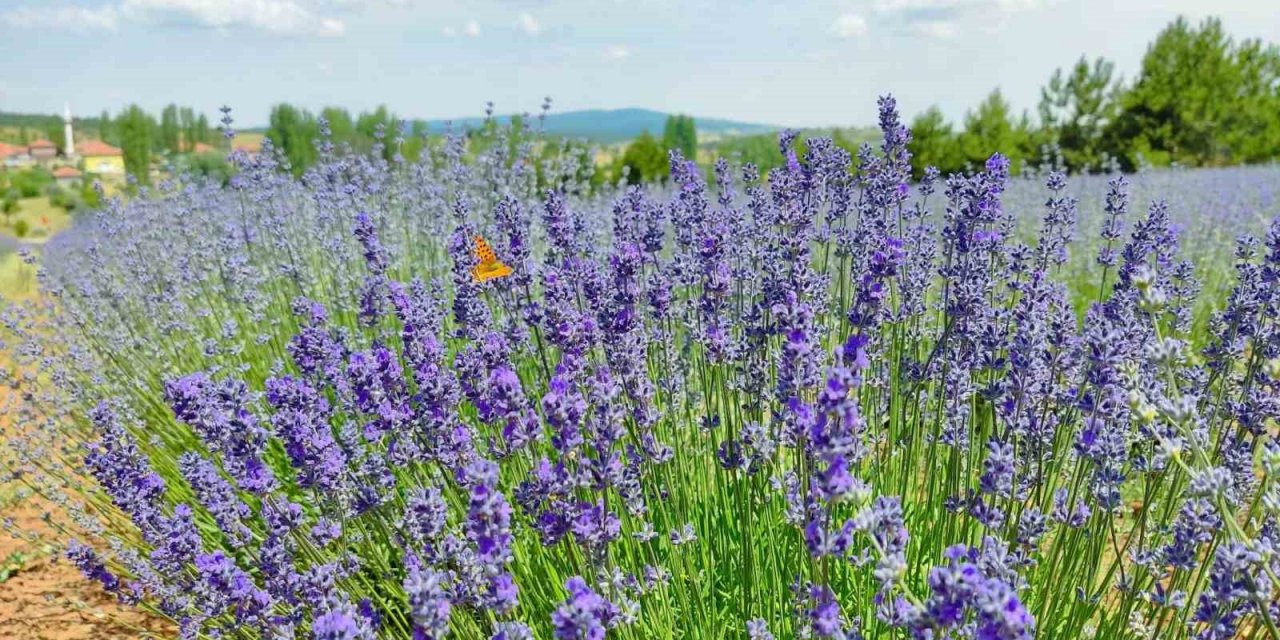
490	266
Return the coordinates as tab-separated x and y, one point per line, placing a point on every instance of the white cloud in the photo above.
1021	5
280	17
896	6
849	25
528	24
365	3
69	18
939	29
471	29
616	52
332	27
947	19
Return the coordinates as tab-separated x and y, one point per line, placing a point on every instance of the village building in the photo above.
12	156
42	151
66	176
101	158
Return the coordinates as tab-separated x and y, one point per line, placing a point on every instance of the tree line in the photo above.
139	134
295	131
1199	99
645	159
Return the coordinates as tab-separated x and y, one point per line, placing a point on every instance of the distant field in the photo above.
247	139
42	218
17	280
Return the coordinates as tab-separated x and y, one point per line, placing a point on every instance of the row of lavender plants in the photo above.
821	403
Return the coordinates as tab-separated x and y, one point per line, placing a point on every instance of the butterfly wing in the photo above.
498	270
484	253
488	267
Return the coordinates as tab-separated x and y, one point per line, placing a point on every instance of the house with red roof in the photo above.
13	156
66	176
42	150
101	158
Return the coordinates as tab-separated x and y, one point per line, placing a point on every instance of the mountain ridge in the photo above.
612	125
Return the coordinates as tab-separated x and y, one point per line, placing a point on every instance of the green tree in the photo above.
680	133
105	131
1253	131
368	124
135	142
57	135
342	128
1076	108
760	150
933	144
170	132
293	131
644	160
415	142
203	132
991	129
187	123
1200	99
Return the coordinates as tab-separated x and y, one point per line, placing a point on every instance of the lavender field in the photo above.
828	401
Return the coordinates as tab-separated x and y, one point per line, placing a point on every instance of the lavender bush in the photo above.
821	403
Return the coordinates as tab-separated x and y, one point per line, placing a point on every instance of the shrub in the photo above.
20	228
32	182
211	165
89	197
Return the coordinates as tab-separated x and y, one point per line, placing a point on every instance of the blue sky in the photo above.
798	64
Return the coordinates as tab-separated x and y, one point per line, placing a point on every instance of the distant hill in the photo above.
615	125
604	126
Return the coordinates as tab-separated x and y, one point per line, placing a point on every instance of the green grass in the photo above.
17	280
42	217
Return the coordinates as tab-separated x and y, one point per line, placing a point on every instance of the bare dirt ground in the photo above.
44	597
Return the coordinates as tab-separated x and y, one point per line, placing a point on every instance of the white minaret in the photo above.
70	148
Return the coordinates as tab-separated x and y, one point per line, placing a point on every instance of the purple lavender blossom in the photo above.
584	615
301	420
218	496
341	624
429	604
216	411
